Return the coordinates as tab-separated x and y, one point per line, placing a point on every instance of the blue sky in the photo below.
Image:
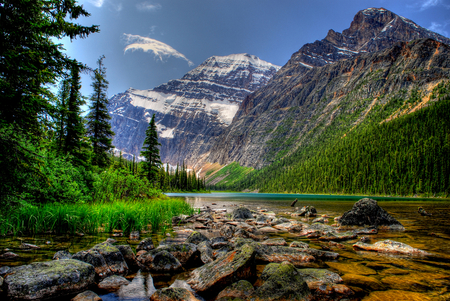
149	42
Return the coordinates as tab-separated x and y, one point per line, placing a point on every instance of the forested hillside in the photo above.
406	155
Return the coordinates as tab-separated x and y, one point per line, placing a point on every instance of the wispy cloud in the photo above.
148	6
439	28
159	49
97	3
426	4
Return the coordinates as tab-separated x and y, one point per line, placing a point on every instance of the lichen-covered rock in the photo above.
96	260
185	253
290	226
278	221
113	283
241	213
63	254
146	244
275	242
227	231
158	261
196	238
113	258
86	296
173	294
219	242
57	278
206	252
366	212
213	277
282	281
128	256
241	290
389	246
299	244
317	228
336	236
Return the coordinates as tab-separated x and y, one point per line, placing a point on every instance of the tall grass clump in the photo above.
122	215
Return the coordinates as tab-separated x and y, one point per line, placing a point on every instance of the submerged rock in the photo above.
282	281
146	244
389	246
366	212
86	296
57	278
213	277
113	283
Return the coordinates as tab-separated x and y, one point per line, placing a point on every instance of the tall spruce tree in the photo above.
150	152
99	129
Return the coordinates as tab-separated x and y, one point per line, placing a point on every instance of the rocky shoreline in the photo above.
222	252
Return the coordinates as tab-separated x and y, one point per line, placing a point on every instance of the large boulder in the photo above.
159	261
95	259
56	278
196	238
241	290
241	213
389	246
185	253
128	256
213	277
282	281
113	257
366	212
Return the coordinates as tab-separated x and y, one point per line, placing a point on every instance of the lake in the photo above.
372	276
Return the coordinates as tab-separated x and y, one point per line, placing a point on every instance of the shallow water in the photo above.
372	276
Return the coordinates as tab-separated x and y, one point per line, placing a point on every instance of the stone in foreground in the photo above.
86	296
211	278
113	283
173	294
282	281
241	290
57	278
390	246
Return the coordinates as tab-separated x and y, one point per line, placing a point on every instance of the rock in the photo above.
397	295
158	261
299	244
389	246
366	212
173	294
4	270
63	254
366	231
317	229
352	268
307	211
96	260
325	285
206	252
215	276
9	255
335	236
275	242
196	238
86	296
277	221
179	220
365	239
227	231
268	230
263	219
111	240
219	242
365	282
25	246
113	283
423	212
290	226
222	251
322	275
134	235
241	290
135	290
320	220
185	253
146	244
128	256
293	203
113	258
57	278
241	213
319	254
282	282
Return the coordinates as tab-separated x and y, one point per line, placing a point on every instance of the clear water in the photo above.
372	276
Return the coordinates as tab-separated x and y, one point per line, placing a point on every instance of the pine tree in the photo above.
150	152
99	129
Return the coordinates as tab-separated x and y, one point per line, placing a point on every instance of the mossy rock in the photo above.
185	253
128	256
282	282
56	278
146	244
86	296
113	283
241	213
322	275
95	259
173	294
113	257
241	290
196	238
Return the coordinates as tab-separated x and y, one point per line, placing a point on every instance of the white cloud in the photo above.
97	3
148	6
439	28
159	49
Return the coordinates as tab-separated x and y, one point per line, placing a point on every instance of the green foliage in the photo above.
229	176
92	218
150	152
180	180
99	129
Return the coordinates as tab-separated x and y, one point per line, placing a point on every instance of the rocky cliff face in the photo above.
190	112
333	78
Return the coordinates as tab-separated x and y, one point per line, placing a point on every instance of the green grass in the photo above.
154	215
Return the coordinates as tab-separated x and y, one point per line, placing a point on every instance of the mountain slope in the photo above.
328	79
190	112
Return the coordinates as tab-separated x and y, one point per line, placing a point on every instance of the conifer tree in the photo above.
99	129
150	152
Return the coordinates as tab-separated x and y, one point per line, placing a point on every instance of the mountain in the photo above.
336	78
190	112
